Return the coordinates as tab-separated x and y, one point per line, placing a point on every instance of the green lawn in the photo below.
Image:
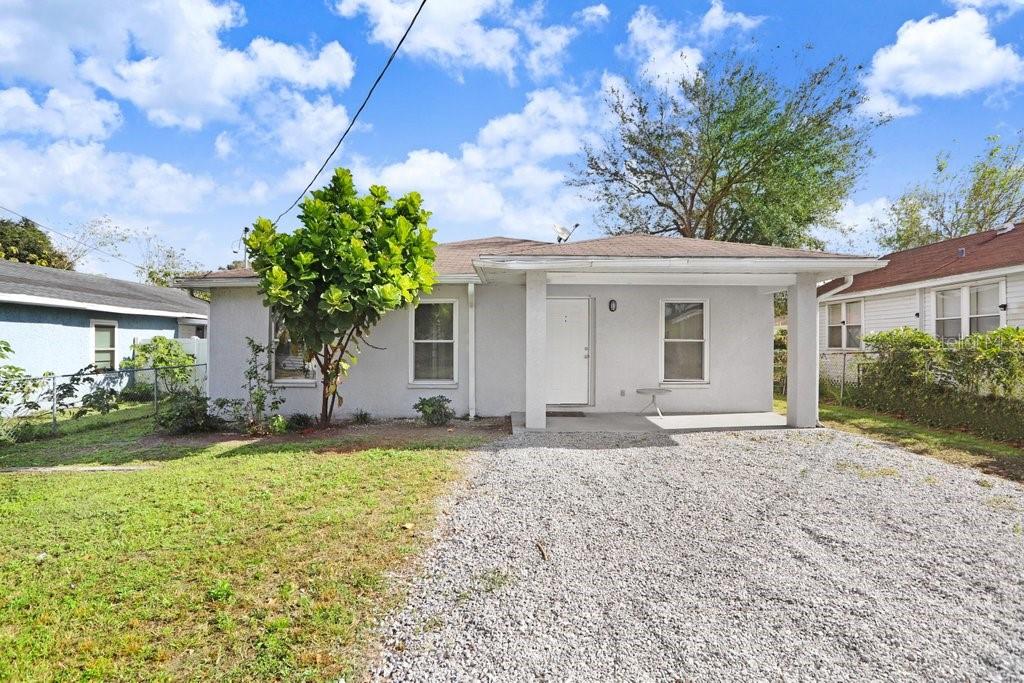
225	561
992	457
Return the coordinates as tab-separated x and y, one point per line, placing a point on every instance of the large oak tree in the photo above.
730	154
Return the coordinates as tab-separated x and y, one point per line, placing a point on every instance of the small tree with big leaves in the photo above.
353	259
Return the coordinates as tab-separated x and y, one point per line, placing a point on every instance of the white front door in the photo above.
568	351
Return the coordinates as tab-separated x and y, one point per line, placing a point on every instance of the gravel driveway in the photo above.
745	555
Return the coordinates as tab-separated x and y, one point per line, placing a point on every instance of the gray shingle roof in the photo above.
21	279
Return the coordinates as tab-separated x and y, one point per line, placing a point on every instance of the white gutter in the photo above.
941	281
847	283
51	302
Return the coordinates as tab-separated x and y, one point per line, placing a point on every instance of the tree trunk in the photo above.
325	407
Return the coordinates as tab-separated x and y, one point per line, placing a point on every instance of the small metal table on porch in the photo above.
654	393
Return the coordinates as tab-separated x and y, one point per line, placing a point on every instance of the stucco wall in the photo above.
378	383
60	340
626	351
627	348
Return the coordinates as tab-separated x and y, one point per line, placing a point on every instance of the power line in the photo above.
359	111
67	236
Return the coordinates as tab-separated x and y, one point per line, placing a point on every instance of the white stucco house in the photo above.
948	289
521	326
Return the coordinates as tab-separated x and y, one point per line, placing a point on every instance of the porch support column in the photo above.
536	348
802	365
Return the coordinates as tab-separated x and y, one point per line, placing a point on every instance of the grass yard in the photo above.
986	455
219	560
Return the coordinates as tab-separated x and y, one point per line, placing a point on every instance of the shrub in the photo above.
137	392
187	411
362	417
992	362
278	424
916	377
161	352
262	397
300	421
435	410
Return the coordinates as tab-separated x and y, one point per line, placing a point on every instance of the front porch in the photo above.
635	422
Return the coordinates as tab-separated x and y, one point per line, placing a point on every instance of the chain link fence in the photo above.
33	407
840	371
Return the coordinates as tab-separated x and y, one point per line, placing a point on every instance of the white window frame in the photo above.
965	305
443	383
312	380
705	365
842	324
93	324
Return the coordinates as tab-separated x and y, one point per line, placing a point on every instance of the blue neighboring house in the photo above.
61	321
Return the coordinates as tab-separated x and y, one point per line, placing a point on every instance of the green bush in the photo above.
161	352
137	392
435	410
187	411
974	385
299	421
278	424
362	417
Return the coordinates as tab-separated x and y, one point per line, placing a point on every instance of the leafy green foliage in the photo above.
976	385
992	362
353	259
362	417
162	352
730	155
958	202
187	411
25	242
262	397
435	410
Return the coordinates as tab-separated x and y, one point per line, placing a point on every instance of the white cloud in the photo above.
510	179
164	56
489	34
304	130
658	48
88	174
223	145
60	115
939	57
857	233
593	15
1004	7
454	33
547	48
718	19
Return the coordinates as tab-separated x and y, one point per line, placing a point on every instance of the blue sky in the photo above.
189	118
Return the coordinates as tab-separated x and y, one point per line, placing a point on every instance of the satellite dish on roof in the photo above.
562	234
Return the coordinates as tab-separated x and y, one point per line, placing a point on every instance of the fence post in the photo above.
842	382
53	404
156	391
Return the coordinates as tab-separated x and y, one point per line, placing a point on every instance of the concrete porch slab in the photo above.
633	422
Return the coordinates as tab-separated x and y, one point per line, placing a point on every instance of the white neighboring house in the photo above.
521	326
948	289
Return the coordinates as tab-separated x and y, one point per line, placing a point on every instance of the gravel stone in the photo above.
784	555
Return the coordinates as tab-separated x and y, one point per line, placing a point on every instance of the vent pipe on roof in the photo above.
961	252
1005	228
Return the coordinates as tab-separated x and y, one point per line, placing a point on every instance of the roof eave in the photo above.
827	266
